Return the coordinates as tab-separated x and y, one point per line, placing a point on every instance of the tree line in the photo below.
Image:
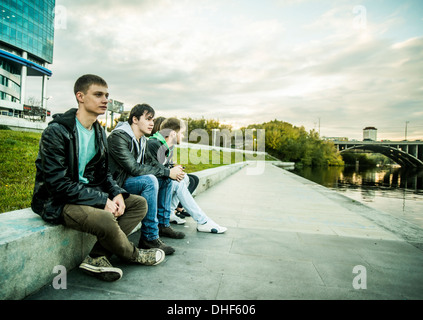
290	143
282	140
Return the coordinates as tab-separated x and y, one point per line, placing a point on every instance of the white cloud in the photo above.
243	62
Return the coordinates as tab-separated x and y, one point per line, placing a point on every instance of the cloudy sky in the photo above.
342	64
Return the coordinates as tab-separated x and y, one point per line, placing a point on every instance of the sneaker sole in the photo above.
161	260
171	236
176	222
104	273
213	230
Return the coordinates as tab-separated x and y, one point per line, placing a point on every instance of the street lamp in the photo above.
44	107
406	125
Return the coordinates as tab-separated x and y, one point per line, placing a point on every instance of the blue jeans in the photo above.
157	192
180	193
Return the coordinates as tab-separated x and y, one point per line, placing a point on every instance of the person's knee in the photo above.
103	223
183	183
141	184
141	204
152	181
175	185
193	180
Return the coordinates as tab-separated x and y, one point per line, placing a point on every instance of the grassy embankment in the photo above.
18	151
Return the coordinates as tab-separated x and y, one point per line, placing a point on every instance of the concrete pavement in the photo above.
287	238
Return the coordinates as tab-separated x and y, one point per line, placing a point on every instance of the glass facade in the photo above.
14	89
28	25
26	46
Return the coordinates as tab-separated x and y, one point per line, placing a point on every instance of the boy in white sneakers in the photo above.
160	150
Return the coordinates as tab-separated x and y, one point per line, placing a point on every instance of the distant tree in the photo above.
290	143
205	124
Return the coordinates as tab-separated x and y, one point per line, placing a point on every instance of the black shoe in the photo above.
180	215
158	243
183	213
170	233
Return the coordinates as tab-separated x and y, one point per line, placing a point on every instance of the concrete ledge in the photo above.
30	248
210	177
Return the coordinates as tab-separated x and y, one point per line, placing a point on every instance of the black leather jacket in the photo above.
123	158
57	179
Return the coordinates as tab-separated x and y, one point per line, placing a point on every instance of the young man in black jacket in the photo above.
73	186
127	144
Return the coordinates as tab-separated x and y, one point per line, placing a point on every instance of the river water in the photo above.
393	190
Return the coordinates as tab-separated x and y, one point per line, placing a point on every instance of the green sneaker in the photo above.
100	268
150	257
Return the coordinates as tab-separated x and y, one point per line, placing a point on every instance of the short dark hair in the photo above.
157	123
170	124
84	82
138	110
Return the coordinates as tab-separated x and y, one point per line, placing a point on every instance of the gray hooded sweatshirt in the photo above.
127	155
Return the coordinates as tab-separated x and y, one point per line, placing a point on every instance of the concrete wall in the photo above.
31	248
23	124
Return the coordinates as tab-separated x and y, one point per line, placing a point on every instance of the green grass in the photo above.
197	160
18	151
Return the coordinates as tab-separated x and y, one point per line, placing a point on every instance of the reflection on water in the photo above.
393	190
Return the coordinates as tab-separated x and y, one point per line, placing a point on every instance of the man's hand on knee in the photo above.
120	203
116	206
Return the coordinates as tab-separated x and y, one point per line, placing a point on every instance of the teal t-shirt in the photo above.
87	150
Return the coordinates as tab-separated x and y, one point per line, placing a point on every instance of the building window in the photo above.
24	20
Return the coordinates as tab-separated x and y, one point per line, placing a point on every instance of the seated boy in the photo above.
127	144
73	186
160	151
178	216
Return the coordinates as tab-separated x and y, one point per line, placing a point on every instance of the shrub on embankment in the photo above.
294	144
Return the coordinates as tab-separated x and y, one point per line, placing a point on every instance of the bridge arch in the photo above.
404	159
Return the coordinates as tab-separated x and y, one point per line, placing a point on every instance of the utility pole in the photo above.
319	127
406	124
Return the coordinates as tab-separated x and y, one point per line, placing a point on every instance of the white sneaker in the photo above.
175	219
211	226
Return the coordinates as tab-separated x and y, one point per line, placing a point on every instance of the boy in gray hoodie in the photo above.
127	150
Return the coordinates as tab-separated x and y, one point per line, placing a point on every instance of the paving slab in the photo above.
287	238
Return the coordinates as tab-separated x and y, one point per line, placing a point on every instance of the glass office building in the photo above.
26	48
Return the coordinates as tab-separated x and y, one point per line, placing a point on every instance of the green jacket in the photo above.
158	151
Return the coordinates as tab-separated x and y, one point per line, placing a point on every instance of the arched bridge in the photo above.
408	154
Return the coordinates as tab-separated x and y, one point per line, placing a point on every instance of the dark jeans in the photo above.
111	232
157	192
